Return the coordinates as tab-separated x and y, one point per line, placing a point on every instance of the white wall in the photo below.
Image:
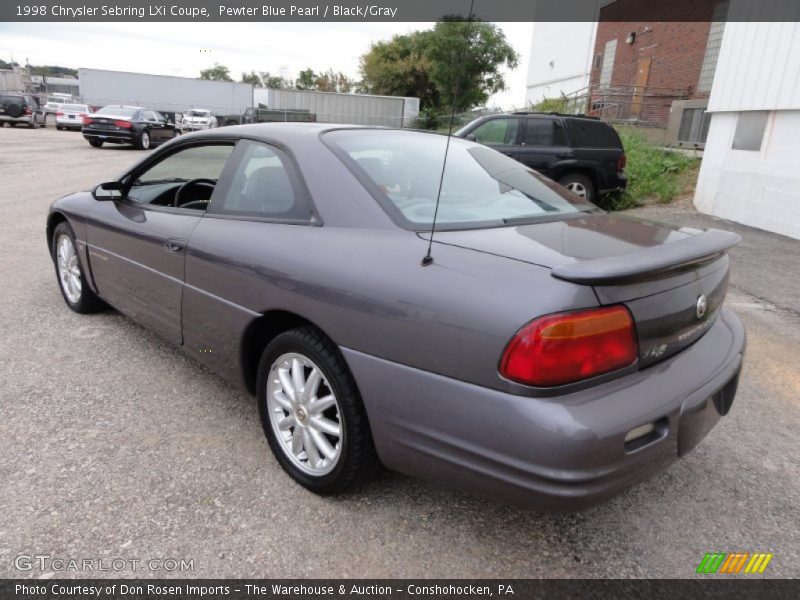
757	188
560	59
758	69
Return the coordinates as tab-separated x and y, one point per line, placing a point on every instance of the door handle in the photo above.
174	246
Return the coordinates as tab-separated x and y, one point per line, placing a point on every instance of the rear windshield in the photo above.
118	111
480	187
595	134
74	107
10	98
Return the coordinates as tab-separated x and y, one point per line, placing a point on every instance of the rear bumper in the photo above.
558	453
114	137
69	123
615	184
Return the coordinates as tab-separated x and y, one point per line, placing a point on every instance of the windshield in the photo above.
481	187
118	111
198	113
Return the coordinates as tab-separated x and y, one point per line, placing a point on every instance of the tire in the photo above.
142	142
96	143
14	110
64	251
354	458
2	123
579	185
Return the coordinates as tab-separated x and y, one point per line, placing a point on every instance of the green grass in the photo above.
653	174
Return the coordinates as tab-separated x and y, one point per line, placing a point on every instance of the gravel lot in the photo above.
115	445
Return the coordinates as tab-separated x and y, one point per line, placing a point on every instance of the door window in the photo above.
158	184
264	185
497	132
544	132
149	115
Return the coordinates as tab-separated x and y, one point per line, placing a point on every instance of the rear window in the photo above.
594	134
480	188
11	98
74	107
118	111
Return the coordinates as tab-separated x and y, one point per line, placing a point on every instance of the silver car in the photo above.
198	118
70	116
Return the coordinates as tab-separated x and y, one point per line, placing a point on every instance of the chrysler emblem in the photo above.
701	307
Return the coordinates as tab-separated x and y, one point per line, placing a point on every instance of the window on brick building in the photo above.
712	48
609	54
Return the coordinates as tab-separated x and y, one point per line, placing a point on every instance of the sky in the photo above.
184	49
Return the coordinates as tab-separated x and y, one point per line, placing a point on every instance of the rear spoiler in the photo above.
650	262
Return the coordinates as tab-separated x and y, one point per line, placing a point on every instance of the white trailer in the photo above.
163	93
332	107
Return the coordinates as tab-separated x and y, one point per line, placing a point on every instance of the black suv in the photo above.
584	154
17	108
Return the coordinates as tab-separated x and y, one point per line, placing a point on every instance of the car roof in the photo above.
285	132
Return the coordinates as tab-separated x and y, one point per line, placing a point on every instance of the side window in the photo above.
148	115
595	134
497	132
544	132
158	184
264	185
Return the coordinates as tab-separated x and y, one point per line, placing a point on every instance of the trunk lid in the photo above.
673	280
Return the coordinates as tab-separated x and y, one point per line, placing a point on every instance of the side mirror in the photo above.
471	137
108	191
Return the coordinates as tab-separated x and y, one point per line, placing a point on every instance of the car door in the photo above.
166	128
543	145
240	256
137	243
499	133
154	126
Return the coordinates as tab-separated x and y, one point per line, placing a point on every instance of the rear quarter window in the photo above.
595	134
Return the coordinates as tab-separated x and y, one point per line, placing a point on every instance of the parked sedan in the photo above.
533	348
134	125
70	116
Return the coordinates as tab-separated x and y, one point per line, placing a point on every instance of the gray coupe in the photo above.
543	351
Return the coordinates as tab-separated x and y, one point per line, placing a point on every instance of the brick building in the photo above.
657	73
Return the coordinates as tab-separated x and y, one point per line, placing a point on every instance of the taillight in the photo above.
59	114
28	110
87	121
123	124
83	115
622	161
567	347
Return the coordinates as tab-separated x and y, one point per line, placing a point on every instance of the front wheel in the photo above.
312	413
580	185
143	141
78	296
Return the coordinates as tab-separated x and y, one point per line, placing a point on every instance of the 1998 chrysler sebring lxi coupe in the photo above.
550	353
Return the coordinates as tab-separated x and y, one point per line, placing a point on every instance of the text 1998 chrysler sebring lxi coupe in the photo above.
550	354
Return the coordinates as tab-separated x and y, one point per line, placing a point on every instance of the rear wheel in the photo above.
143	141
95	143
312	413
77	294
580	185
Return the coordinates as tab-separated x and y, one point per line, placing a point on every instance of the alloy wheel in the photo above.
69	273
577	188
304	414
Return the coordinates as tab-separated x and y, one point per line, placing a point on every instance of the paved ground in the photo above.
113	444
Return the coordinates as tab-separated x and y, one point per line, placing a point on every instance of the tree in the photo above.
306	80
251	77
216	73
431	64
332	81
274	81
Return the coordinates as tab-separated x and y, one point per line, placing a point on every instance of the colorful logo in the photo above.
734	562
